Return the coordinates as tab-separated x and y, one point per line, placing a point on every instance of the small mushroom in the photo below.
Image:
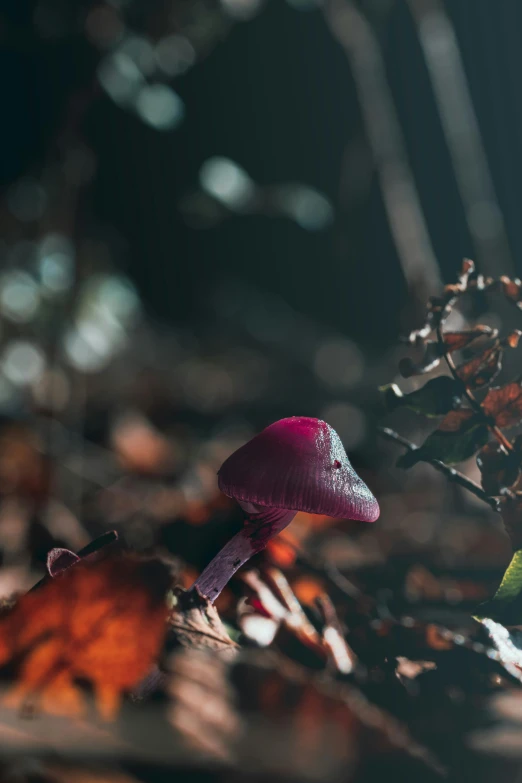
295	464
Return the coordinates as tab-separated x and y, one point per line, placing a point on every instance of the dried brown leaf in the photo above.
103	622
481	370
195	623
504	404
457	341
203	710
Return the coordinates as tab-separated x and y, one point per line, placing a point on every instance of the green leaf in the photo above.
435	398
506	604
449	446
511	584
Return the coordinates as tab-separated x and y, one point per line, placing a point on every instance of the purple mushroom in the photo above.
295	464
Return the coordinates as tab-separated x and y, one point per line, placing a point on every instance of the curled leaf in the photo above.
457	341
60	559
504	404
195	623
435	398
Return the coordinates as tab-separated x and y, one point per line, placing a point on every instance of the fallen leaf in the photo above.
202	708
194	622
59	559
103	622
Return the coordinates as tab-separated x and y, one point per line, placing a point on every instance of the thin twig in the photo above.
451	473
453	370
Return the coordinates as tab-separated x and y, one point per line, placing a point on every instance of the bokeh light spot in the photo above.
174	55
19	296
227	182
140	51
120	77
309	208
22	362
56	272
160	107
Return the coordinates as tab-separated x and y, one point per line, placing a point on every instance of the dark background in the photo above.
277	96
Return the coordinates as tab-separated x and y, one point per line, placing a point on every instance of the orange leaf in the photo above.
103	622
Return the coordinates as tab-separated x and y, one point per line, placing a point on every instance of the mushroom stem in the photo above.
262	524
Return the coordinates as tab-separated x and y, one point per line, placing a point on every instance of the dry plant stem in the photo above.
499	435
453	475
261	525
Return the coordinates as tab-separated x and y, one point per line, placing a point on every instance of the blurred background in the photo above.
216	213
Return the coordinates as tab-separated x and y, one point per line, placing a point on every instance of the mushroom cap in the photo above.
298	464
